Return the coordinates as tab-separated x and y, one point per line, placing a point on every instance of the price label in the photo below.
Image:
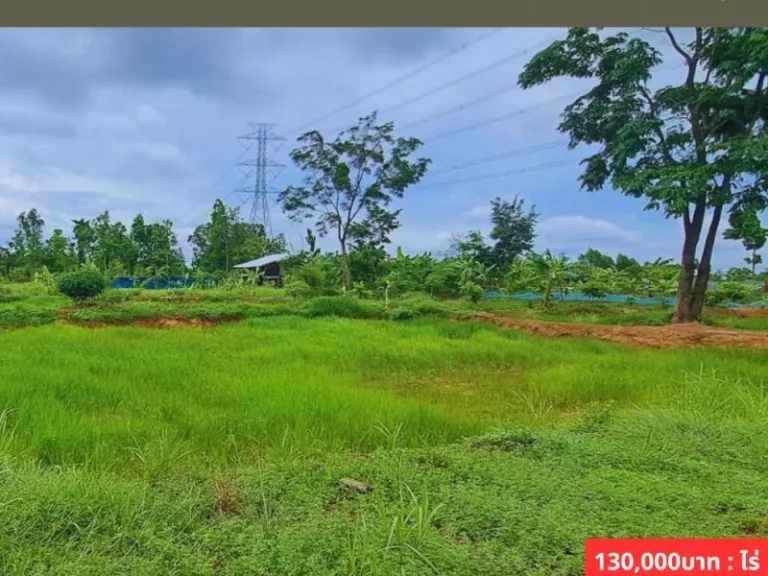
672	556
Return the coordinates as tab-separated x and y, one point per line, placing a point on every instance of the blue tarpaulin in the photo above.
156	284
612	298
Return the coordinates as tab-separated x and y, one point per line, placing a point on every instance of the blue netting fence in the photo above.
614	299
154	283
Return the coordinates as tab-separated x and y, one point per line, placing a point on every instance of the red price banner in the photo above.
673	556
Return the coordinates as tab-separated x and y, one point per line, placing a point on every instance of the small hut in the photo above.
267	267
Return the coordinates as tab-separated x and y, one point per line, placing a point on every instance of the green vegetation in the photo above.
685	149
347	424
82	285
221	451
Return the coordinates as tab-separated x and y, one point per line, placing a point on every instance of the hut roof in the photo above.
263	261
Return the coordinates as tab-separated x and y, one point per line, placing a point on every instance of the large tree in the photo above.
112	248
687	149
226	240
594	257
85	239
514	231
60	254
350	183
746	226
472	246
157	248
26	248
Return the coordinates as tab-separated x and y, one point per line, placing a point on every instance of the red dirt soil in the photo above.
671	336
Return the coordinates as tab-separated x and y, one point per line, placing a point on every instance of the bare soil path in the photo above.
671	336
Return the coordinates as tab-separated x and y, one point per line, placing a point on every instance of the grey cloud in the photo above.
62	67
202	60
397	45
30	67
12	123
148	162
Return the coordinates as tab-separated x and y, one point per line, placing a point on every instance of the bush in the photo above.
729	292
593	289
402	314
298	289
472	291
82	285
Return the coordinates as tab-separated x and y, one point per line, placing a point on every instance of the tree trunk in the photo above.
705	265
345	267
692	230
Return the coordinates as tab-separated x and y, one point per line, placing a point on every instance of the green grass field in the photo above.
126	450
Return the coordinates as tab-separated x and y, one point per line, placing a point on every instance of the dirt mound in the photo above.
671	336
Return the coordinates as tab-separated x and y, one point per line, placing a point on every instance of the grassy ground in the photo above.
126	450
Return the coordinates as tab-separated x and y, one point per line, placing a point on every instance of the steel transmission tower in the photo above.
260	203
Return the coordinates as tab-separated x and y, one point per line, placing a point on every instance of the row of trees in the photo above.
145	250
461	274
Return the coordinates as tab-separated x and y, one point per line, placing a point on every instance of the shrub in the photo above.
402	314
472	291
298	289
360	290
729	292
82	285
593	289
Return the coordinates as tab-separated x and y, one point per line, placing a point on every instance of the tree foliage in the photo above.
514	231
351	182
686	149
226	240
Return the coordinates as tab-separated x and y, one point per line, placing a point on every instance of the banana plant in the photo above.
552	271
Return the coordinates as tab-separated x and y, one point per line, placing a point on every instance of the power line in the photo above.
494	120
398	80
472	74
520	111
502	156
546	166
464	106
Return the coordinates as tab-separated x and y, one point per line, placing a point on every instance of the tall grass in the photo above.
129	450
152	400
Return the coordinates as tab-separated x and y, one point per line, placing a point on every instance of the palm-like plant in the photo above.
552	272
522	276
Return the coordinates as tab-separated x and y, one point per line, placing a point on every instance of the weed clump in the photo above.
506	441
343	307
20	317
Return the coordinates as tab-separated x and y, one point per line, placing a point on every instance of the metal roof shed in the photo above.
267	266
263	261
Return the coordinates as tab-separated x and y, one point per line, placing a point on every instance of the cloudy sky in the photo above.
147	120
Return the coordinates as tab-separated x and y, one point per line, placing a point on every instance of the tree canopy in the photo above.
226	240
686	149
350	183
